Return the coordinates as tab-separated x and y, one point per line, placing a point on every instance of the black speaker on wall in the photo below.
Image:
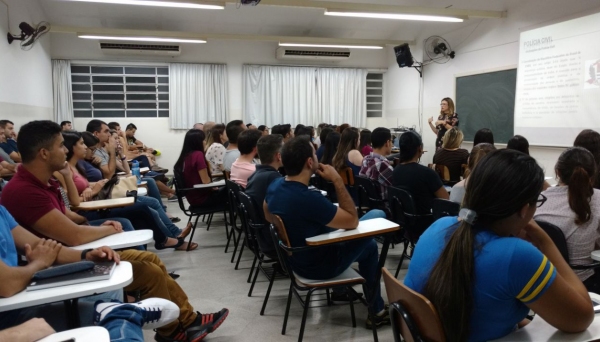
403	55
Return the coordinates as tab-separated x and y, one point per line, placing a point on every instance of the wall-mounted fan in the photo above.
438	50
29	34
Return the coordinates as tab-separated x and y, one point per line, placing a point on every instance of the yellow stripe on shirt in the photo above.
540	286
534	278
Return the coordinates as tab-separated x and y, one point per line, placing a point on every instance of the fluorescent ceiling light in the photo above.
157	3
397	16
142	39
338	46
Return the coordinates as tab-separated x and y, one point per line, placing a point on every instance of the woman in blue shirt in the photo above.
486	269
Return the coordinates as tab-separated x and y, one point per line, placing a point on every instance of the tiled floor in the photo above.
211	283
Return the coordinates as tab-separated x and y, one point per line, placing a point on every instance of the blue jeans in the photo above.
363	251
164	222
153	191
124	323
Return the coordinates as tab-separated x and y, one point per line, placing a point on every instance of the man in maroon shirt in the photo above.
34	200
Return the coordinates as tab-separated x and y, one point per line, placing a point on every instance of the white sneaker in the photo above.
156	312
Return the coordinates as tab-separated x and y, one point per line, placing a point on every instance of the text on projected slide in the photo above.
557	85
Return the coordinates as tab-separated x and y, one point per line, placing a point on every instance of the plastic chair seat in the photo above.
349	276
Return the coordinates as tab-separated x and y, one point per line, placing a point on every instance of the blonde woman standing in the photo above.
446	120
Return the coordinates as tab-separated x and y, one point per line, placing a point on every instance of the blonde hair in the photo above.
450	107
453	138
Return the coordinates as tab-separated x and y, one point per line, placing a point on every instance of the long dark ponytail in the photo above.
501	184
577	169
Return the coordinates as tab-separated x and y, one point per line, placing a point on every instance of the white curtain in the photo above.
308	95
61	89
279	95
341	96
197	93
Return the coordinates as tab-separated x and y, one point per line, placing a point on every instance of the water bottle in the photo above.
135	170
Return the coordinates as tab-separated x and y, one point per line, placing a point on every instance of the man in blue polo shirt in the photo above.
308	213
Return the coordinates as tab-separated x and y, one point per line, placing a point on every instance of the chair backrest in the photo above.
557	236
420	310
226	174
367	194
441	170
347	176
404	213
254	223
280	227
180	189
232	199
442	208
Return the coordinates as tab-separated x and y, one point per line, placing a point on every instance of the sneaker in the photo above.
156	312
383	319
176	336
170	182
345	296
172	198
205	324
159	169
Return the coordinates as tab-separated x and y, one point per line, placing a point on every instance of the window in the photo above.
374	95
120	91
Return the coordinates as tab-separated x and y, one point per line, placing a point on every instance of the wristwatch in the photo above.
84	253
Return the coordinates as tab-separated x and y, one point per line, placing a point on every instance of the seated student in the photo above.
423	183
215	151
574	207
518	143
191	164
66	125
244	166
483	135
32	198
8	143
482	273
250	126
590	140
269	151
331	146
199	126
135	144
479	151
233	130
318	141
365	146
285	130
347	154
107	149
451	155
375	165
264	129
341	128
308	213
323	137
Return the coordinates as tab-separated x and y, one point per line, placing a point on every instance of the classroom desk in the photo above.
540	330
106	204
210	185
368	228
122	276
120	240
87	334
144	170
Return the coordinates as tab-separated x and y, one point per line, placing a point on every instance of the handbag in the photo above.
106	191
124	185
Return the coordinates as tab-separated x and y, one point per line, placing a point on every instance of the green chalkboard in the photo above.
487	101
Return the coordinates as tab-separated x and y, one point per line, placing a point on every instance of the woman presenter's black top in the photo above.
451	120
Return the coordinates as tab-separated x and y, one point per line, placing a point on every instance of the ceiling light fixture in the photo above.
335	46
158	3
396	16
142	39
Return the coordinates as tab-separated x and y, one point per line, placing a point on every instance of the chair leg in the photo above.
252	268
192	235
306	305
210	216
240	255
328	297
287	309
254	278
264	306
230	233
236	244
401	259
352	311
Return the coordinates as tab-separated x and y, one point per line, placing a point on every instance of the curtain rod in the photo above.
382	70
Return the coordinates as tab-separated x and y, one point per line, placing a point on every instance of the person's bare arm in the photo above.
355	157
566	304
57	226
204	176
433	128
33	330
346	216
442	193
65	178
108	170
545	186
8	166
16	156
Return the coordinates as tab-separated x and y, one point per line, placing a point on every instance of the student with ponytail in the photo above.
484	270
574	206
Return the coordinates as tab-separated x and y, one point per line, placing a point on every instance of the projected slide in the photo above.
558	82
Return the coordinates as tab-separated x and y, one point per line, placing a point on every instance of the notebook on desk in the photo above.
101	271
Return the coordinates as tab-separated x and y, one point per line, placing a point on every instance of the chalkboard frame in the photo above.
484	72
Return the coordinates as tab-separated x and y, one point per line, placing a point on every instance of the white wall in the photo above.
483	45
25	76
155	132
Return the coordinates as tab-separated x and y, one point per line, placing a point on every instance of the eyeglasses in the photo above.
541	200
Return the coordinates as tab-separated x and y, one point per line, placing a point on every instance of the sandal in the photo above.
175	219
193	246
161	246
185	232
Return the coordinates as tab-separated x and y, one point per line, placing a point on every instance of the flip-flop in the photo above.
186	231
192	247
175	219
161	246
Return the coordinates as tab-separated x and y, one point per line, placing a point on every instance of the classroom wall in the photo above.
25	76
483	45
155	132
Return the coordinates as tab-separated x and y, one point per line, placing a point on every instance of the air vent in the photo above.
140	49
321	54
342	54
